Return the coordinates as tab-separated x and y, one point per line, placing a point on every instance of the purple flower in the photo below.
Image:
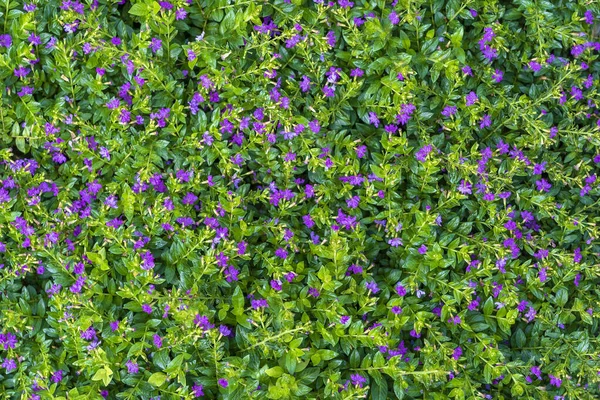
331	39
197	390
406	111
531	313
473	304
497	76
373	119
395	242
88	334
155	44
259	303
189	198
357	73
57	376
489	52
353	202
202	322
589	17
158	342
535	66
165	5
276	284
224	330
400	290
358	380
147	260
422	249
355	269
449	111
9	364
577	280
457	353
555	380
541	254
305	84
329	91
471	98
422	153
539	168
9	341
543	185
372	286
223	382
577	257
132	367
5	40
21	72
465	187
393	17
281	253
180	14
396	309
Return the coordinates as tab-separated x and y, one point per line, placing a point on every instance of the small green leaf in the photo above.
237	301
562	296
98	260
379	390
228	22
104	374
139	9
274	372
128	201
157	379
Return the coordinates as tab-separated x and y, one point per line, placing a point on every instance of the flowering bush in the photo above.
293	199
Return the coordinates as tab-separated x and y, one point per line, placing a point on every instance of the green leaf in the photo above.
127	201
487	373
290	363
98	260
139	9
586	318
157	379
174	364
237	301
562	296
274	372
104	374
379	390
488	306
228	22
327	354
398	390
378	360
22	145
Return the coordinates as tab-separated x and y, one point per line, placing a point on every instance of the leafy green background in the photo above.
297	347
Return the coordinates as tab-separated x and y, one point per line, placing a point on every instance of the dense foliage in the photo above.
293	199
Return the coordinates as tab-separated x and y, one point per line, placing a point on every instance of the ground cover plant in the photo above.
298	199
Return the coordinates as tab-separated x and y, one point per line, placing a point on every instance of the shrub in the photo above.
292	199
